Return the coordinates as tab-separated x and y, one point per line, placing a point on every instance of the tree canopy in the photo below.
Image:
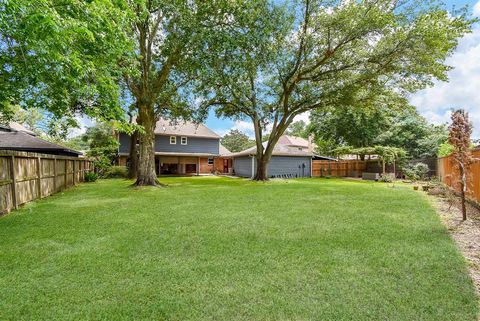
387	121
236	141
62	56
322	54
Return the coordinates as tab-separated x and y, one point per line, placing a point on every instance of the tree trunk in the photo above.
262	167
146	175
463	185
133	168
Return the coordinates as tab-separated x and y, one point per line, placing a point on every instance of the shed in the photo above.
287	162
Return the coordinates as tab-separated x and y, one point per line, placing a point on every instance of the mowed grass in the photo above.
208	248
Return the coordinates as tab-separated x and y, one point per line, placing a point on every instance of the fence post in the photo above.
54	175
39	177
14	183
74	172
66	171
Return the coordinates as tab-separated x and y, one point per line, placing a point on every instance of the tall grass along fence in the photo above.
448	174
28	176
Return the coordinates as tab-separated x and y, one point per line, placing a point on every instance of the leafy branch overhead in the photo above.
315	54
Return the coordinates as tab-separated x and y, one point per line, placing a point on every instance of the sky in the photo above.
435	103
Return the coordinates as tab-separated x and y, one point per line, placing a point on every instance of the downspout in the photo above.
253	165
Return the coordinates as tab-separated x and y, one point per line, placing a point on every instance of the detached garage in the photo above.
286	162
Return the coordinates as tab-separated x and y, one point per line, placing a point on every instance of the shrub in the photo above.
410	173
416	171
91	177
116	172
387	178
421	170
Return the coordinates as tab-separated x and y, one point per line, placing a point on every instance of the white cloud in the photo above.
476	9
304	116
241	125
83	122
463	89
244	126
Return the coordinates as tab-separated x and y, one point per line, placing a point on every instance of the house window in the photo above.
210	161
183	140
173	140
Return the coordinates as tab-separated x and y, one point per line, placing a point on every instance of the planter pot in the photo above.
415	188
425	188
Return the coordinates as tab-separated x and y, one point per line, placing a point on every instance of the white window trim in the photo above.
174	140
184	138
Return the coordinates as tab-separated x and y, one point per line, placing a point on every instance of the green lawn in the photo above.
208	248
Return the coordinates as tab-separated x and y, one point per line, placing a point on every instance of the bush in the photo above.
116	172
410	173
416	171
387	178
90	177
421	170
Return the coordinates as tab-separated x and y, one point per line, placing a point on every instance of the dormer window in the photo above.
183	140
173	140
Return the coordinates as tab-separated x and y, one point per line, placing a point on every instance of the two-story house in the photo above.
184	148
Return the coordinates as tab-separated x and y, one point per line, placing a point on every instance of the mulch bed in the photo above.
465	233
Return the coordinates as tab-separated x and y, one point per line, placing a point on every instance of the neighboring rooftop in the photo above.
15	127
279	150
183	128
22	141
293	141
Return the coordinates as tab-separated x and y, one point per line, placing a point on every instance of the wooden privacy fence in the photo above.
448	174
344	168
28	176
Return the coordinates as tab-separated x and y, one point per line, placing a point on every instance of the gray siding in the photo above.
279	165
162	144
289	165
243	166
194	145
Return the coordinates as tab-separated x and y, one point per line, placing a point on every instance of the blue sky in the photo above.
462	91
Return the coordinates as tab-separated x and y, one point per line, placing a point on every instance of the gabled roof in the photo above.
183	128
16	127
293	141
286	146
22	141
278	150
224	151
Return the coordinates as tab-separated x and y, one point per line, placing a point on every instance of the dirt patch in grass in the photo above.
465	233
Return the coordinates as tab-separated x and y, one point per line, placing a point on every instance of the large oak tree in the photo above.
328	53
174	41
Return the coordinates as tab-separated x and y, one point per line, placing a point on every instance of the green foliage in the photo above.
91	177
298	128
236	141
116	172
422	170
315	56
386	178
102	147
416	171
64	57
385	120
446	149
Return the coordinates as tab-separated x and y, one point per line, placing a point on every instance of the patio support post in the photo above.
198	166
